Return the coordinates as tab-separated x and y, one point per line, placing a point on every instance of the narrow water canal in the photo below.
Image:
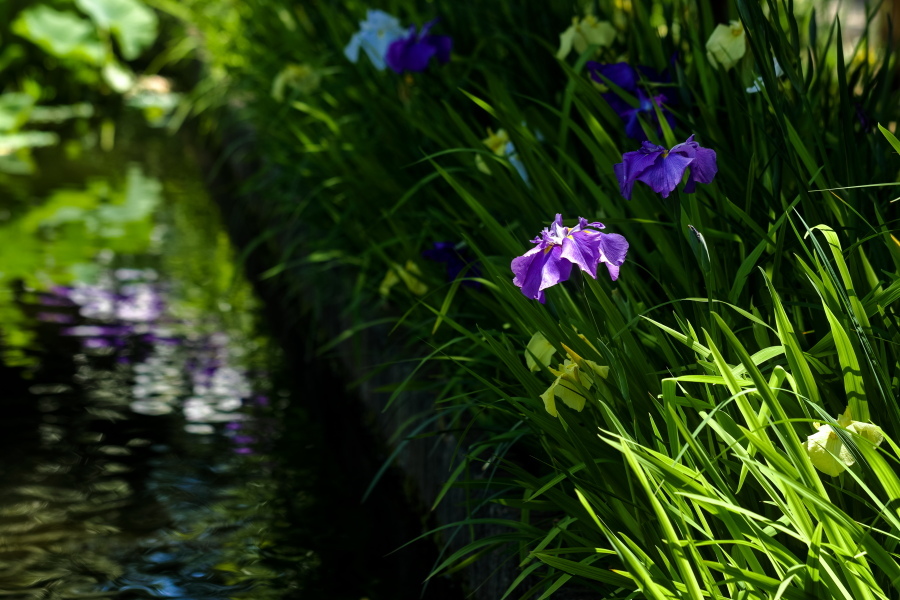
152	444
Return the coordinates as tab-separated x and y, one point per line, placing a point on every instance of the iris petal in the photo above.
662	170
665	174
582	249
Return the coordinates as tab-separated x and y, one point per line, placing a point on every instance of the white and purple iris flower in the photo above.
559	247
374	37
414	51
663	169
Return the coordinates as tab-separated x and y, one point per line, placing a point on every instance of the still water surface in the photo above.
143	447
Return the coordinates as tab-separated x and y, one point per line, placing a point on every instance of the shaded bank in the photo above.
311	307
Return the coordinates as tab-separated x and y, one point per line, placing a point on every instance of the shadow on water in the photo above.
153	445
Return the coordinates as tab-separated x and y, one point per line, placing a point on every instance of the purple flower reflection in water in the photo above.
99	343
135	302
56	298
55	317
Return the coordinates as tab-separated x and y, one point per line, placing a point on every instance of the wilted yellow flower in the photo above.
589	31
408	274
302	78
727	45
574	372
539	347
826	449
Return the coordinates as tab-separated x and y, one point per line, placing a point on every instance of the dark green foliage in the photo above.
688	463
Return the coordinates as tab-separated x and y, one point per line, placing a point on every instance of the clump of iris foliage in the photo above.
728	399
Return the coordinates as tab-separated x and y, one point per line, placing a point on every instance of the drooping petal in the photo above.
571	377
727	45
633	128
870	432
443	45
390	280
570	396
566	39
703	169
538	269
581	248
594	32
539	351
613	248
825	448
378	20
634	164
410	274
413	51
527	270
408	54
496	142
549	398
375	34
665	174
351	51
599	371
622	74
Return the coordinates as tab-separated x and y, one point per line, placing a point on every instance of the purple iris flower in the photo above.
662	169
456	260
559	247
414	51
628	78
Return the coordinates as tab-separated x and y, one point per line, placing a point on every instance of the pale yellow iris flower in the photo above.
538	347
302	78
496	143
727	45
586	32
826	449
408	274
575	372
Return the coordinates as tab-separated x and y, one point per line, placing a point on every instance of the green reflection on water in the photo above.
90	493
57	241
144	204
